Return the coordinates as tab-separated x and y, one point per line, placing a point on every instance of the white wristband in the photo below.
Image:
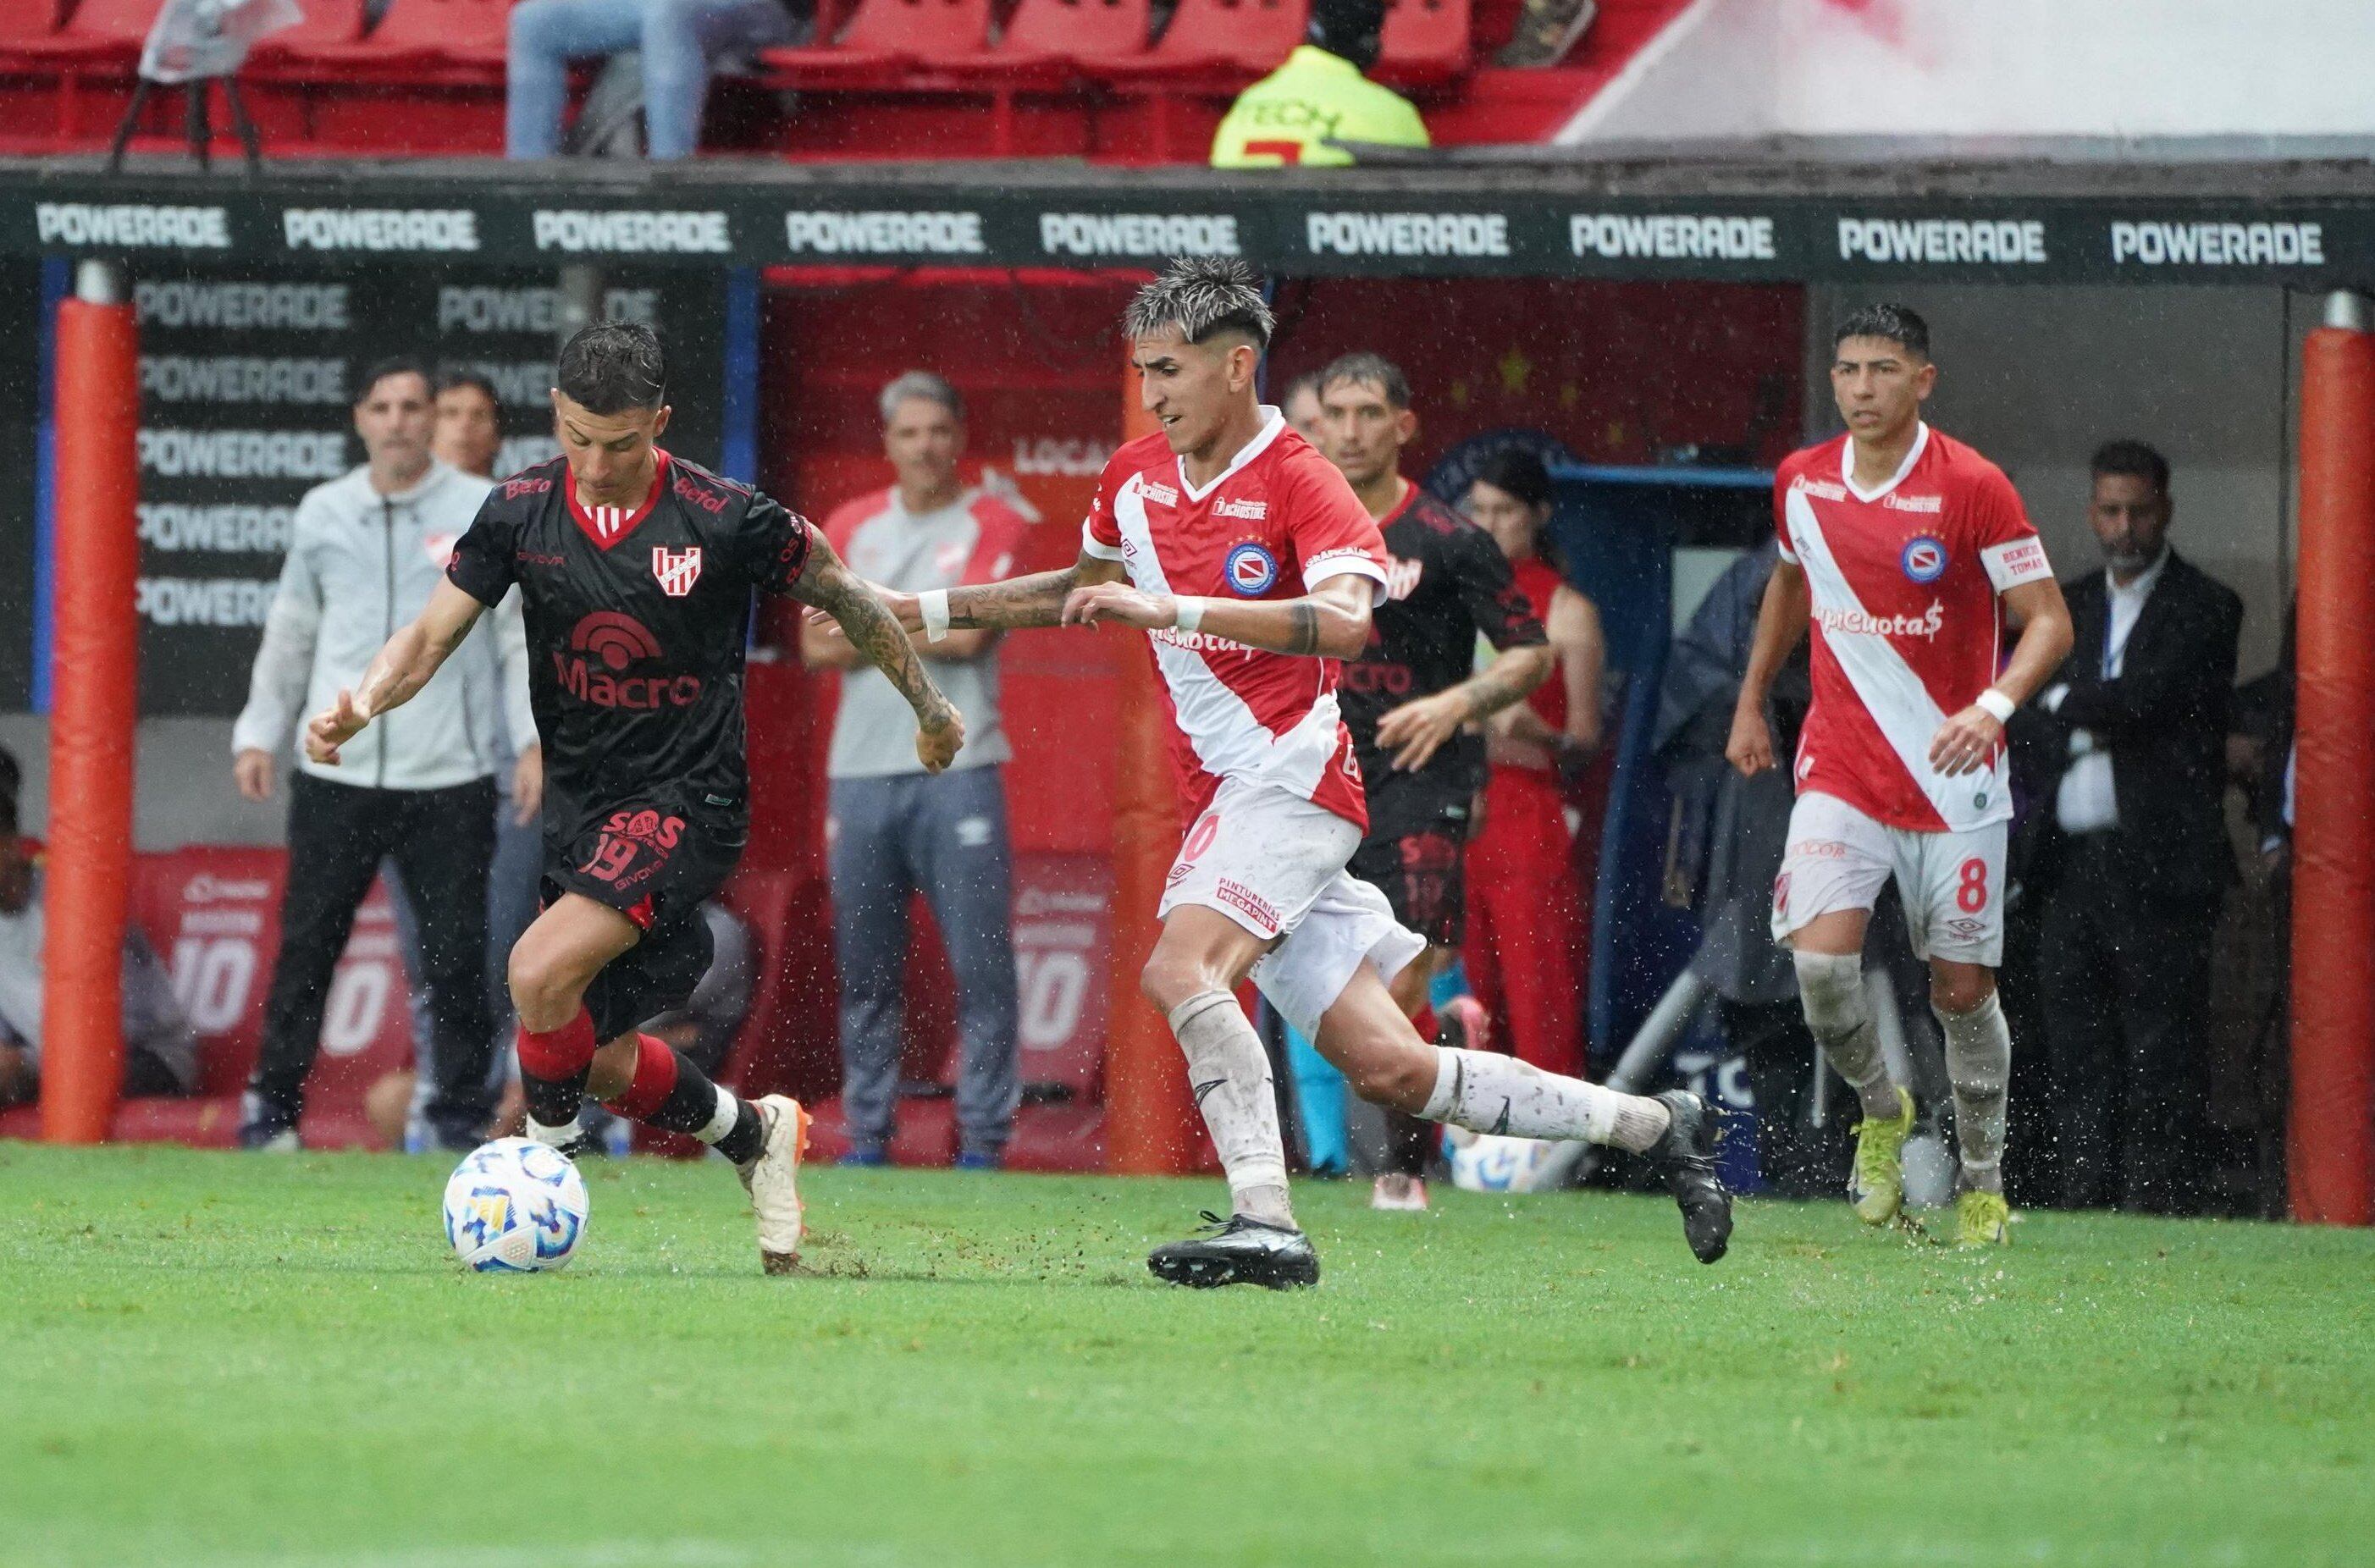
1998	706
934	603
1190	612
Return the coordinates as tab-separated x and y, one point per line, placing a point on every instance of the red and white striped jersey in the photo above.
1907	627
1278	522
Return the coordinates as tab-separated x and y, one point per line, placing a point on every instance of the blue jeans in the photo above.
679	38
943	835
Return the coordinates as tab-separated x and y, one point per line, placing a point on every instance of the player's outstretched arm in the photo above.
397	673
1009	606
1964	740
828	585
1329	622
1780	621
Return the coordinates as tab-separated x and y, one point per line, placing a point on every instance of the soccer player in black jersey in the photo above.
636	570
1410	699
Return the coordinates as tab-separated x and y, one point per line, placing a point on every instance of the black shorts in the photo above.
657	866
1424	876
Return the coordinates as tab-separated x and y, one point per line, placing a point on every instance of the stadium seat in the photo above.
410	33
1425	43
885	35
99	32
32	20
1206	37
1063	33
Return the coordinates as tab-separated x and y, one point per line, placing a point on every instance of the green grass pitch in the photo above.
209	1360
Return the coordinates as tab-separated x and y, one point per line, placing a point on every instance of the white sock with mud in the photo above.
1229	1072
1978	1062
1830	987
1487	1092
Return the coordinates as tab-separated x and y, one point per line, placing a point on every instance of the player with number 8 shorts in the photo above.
1905	551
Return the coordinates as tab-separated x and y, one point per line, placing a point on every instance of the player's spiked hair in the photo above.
1202	296
612	366
1898	323
1368	369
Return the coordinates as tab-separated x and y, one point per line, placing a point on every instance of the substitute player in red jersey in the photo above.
1907	551
1253	569
636	570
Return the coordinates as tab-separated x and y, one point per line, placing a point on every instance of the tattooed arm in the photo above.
1418	729
1017	601
827	586
1331	621
397	673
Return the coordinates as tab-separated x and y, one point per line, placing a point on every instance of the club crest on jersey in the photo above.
1924	558
1252	569
678	571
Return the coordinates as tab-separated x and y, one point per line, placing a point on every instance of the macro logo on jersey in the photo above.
1252	569
1923	558
617	641
677	571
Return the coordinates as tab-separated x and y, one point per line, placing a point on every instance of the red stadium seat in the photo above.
1062	31
32	20
99	32
1425	43
1206	37
410	32
884	35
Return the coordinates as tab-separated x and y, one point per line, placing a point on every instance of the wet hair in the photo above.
1369	370
2135	460
1518	471
379	370
454	378
921	385
612	366
1897	323
1203	297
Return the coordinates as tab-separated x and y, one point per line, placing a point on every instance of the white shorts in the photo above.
1274	863
1952	883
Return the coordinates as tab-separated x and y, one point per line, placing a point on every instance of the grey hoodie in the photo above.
361	565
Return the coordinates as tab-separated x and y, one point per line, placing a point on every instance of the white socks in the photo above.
1229	1072
1490	1093
551	1137
1830	987
1978	1061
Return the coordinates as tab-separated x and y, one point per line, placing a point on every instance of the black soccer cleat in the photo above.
1237	1251
1686	1154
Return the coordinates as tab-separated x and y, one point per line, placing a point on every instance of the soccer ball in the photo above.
514	1206
1485	1162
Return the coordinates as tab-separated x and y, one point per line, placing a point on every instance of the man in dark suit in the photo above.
2133	856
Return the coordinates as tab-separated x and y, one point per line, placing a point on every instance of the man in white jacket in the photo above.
365	554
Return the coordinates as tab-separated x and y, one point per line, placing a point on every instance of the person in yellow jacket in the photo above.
1319	96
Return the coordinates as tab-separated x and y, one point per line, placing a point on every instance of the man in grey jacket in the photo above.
365	554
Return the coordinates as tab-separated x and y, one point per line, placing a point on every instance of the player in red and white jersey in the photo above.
1253	569
1907	551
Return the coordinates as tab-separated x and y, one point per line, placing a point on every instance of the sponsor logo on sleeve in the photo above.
1943	241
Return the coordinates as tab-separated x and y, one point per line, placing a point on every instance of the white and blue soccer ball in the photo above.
514	1206
1488	1162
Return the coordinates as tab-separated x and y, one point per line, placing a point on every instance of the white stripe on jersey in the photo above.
1900	706
1228	740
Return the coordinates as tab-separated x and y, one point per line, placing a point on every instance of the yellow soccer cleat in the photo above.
1877	1185
1982	1219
